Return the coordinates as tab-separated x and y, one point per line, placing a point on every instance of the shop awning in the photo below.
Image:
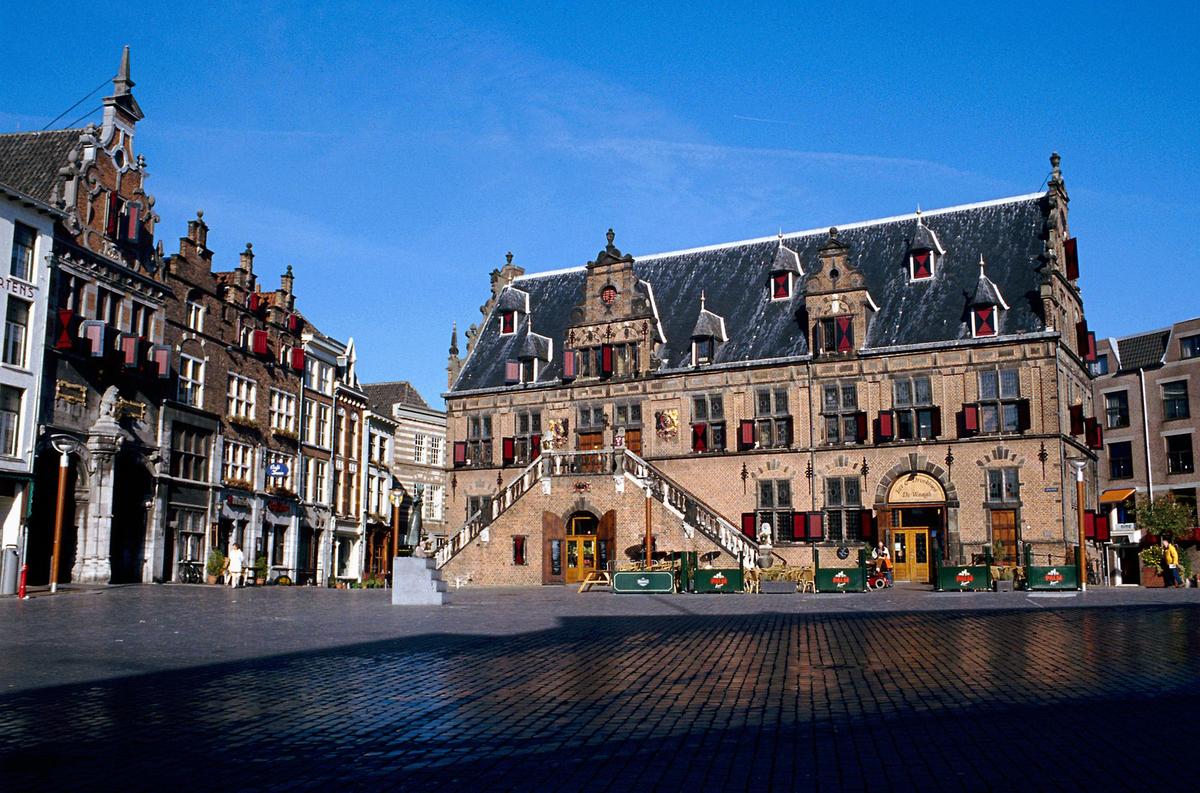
1116	496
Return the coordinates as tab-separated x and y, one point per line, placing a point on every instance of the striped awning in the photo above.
1116	496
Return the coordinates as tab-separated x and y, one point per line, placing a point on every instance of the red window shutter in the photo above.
507	322
258	342
1097	436
1090	350
844	333
64	340
512	372
113	221
1072	251
935	421
535	447
1102	531
606	360
970	419
749	525
920	262
129	350
745	435
885	425
779	285
816	526
293	323
1081	334
1089	524
518	549
867	526
1076	413
985	321
460	454
507	451
160	357
799	526
1023	416
94	331
699	441
568	365
860	427
131	226
298	359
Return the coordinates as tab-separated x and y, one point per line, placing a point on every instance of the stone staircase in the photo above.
623	465
417	582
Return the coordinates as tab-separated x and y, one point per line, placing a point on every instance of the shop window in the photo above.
1175	400
844	422
708	423
1179	454
843	509
774	507
1120	460
1116	409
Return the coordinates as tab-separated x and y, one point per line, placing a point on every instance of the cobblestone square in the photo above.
143	688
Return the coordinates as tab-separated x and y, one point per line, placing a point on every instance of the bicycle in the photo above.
190	573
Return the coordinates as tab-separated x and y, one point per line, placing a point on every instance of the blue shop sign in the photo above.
277	469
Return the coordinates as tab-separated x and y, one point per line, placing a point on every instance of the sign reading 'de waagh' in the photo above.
916	488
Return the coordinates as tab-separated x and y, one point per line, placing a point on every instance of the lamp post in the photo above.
64	445
1079	465
397	498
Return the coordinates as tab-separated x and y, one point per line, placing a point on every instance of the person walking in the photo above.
1170	564
237	563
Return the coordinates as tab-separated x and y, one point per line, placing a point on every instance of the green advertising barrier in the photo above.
719	580
636	582
966	578
1052	577
688	564
1059	576
846	577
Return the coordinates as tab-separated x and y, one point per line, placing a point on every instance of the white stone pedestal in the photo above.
416	582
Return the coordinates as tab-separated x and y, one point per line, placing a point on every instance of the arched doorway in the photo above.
914	525
132	490
581	545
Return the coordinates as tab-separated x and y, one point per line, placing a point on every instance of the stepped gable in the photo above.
1009	233
29	161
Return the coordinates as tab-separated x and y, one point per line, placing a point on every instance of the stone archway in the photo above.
918	482
919	464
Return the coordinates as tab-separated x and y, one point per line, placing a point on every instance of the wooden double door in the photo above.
910	554
576	545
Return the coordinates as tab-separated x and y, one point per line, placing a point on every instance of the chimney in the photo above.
287	281
245	273
197	230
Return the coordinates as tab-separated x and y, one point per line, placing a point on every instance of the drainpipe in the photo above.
1146	436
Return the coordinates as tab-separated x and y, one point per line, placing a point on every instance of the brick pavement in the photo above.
146	687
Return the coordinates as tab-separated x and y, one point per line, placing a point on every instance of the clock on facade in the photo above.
609	295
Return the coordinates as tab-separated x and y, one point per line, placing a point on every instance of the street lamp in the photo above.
64	445
1079	465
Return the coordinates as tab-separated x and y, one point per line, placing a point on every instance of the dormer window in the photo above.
508	323
837	334
703	351
706	335
923	252
985	306
781	286
920	264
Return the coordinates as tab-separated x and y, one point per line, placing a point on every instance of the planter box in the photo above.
778	587
1004	585
1151	577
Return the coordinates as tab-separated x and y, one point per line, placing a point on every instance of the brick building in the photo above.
908	379
1142	391
419	452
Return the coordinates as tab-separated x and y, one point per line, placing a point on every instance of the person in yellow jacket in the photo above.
1170	564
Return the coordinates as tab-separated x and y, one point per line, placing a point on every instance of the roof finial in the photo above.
121	82
702	300
454	339
610	236
981	266
781	235
918	213
508	258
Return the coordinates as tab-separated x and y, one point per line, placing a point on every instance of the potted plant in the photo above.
1151	558
260	570
215	565
1004	581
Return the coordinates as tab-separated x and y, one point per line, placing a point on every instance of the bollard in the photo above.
21	586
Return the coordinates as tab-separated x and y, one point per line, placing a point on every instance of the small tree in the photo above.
1164	517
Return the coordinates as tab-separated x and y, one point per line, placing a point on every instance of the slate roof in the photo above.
987	293
397	392
533	345
709	326
925	239
1144	351
1008	233
786	260
29	161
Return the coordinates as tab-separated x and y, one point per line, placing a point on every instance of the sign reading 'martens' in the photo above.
916	488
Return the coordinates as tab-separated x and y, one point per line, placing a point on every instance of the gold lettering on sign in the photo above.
916	488
70	392
135	410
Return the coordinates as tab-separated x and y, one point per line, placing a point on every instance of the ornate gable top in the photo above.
611	254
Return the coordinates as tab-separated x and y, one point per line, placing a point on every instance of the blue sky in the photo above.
393	153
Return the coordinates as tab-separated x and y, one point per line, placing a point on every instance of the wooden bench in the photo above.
596	578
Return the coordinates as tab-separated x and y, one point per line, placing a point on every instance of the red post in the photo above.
21	587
